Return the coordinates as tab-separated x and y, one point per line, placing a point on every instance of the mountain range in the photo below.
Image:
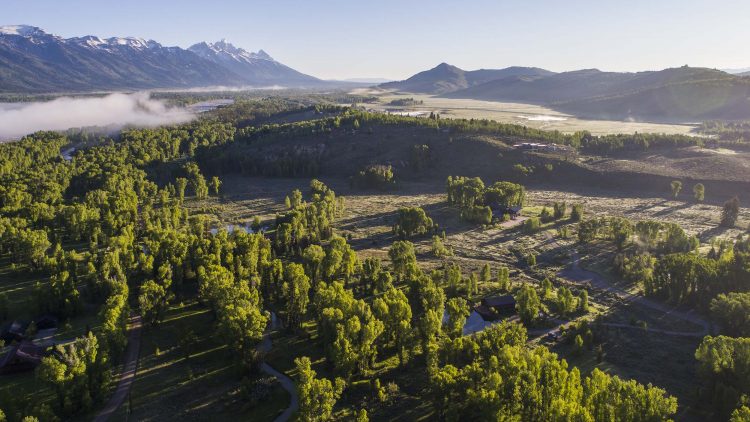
684	93
33	61
445	78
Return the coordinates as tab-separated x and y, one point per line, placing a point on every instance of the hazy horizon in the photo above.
339	40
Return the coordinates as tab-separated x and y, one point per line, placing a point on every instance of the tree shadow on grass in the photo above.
670	210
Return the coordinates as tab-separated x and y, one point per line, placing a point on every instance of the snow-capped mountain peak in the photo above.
263	55
38	36
21	30
31	33
53	63
224	50
113	43
137	43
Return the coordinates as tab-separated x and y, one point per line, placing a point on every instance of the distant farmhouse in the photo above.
536	146
25	353
23	356
500	210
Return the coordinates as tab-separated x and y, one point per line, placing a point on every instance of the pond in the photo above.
67	154
474	323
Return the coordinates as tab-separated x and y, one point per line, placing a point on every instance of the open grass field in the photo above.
197	383
530	115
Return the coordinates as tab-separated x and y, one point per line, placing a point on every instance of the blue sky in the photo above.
394	39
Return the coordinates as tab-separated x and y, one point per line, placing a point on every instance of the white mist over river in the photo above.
111	111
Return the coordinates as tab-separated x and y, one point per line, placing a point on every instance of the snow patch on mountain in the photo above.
21	30
224	50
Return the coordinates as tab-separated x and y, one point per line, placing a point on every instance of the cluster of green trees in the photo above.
493	376
404	102
732	312
475	200
413	221
699	190
375	177
92	228
724	365
559	209
307	222
649	236
677	273
731	131
420	157
664	260
78	373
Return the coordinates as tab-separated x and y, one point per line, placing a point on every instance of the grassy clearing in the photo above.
664	361
205	386
523	114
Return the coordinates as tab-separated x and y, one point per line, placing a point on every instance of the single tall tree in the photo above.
676	186
730	212
699	192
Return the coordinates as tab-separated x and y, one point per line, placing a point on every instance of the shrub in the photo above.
532	225
576	212
477	214
439	249
559	210
730	212
412	221
375	177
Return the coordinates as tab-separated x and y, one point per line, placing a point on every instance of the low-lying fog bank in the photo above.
112	111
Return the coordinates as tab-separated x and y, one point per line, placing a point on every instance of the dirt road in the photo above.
288	385
129	368
575	273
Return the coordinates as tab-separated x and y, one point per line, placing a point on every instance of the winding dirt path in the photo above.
289	386
286	382
575	273
129	367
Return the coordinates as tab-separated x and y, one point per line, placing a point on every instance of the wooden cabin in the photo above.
505	304
495	307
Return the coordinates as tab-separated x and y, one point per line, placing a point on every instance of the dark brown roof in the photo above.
25	351
487	314
506	300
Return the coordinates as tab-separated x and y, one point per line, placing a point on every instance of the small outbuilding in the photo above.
499	210
501	304
46	322
24	356
494	307
16	331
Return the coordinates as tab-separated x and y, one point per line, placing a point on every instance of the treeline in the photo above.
730	131
608	144
404	102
